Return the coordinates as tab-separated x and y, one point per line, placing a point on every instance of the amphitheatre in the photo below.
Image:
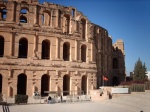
50	49
53	49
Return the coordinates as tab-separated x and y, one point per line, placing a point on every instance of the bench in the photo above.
5	106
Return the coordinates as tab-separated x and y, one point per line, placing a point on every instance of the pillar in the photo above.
76	50
57	48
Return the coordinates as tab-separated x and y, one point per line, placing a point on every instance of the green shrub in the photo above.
147	85
137	88
21	99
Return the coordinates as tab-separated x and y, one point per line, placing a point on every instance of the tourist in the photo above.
101	91
49	99
61	99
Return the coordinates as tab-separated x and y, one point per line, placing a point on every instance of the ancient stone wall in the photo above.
49	47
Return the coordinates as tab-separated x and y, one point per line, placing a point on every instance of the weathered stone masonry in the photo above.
48	47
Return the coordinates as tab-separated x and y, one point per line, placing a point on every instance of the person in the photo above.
101	91
61	98
49	99
109	95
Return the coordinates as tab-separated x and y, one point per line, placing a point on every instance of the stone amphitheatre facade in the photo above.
49	47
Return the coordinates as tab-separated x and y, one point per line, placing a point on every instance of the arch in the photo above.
59	19
83	53
24	2
83	28
66	85
77	26
23	19
66	51
3	12
45	81
115	81
23	48
42	19
46	18
115	63
21	84
1	83
24	10
1	46
45	49
66	23
84	84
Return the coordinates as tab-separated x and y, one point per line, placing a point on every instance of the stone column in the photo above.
36	15
87	89
54	18
76	50
13	12
61	50
70	25
87	55
70	84
92	54
57	48
51	18
11	44
86	31
35	46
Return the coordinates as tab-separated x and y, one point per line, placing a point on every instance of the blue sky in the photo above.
128	20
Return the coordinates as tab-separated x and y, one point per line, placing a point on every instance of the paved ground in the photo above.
125	103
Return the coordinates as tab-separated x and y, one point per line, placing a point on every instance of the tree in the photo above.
139	71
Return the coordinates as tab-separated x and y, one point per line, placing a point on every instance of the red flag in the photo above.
105	78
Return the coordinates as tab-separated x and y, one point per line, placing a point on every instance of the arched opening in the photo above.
42	19
45	84
59	19
23	48
1	83
66	23
23	11
115	81
23	19
66	85
45	49
46	18
83	53
66	51
3	12
21	84
24	2
77	26
84	84
1	46
83	28
115	63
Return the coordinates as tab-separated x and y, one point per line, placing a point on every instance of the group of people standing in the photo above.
51	100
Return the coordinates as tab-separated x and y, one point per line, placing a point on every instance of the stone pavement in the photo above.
124	103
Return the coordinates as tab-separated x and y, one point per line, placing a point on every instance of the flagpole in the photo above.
103	80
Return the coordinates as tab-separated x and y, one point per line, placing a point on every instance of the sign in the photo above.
119	90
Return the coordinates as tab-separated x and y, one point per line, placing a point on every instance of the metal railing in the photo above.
5	106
